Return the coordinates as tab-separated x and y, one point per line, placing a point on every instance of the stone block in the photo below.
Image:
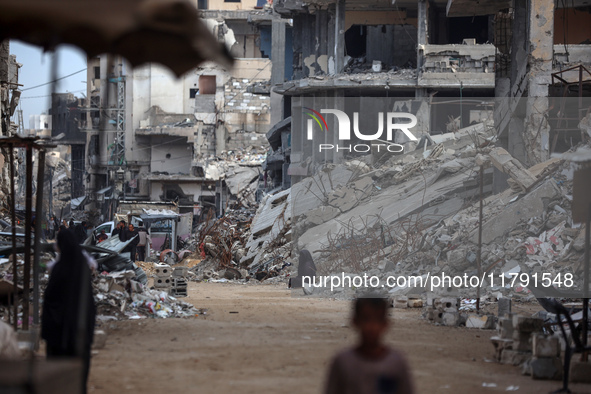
522	341
162	270
100	339
545	346
450	304
501	344
514	357
180	272
527	324
580	371
450	319
506	328
401	302
485	322
546	368
162	282
415	303
504	307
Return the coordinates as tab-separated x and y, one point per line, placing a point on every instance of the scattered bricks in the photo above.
501	344
527	324
415	303
162	270
430	315
506	328
450	319
100	339
580	372
514	357
485	322
504	305
450	304
546	368
545	346
401	302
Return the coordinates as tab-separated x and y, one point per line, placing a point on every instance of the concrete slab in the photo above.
525	208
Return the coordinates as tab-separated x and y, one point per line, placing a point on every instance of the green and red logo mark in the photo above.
317	117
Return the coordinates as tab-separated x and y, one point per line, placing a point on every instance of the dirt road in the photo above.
258	339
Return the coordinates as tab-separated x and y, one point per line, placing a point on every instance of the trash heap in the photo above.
118	297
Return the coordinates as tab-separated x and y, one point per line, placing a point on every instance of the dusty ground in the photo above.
259	339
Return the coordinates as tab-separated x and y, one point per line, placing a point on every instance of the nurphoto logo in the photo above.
391	120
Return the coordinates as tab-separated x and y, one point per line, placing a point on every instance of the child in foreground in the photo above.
371	367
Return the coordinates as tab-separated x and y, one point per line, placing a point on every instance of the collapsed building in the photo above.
10	97
198	140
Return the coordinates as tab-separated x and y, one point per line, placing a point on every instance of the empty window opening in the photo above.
356	41
467	27
207	84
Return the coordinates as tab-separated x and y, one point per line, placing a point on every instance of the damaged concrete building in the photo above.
454	51
496	88
198	140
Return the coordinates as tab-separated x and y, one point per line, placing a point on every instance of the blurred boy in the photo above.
371	367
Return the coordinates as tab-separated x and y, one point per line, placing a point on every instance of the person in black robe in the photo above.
68	319
306	267
80	232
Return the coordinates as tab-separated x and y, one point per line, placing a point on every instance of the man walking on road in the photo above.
144	240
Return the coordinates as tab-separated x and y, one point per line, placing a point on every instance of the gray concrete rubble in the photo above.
417	214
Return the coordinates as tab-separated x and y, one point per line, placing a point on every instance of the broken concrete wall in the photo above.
453	58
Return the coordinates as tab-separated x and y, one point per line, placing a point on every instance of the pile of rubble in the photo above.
238	247
535	344
118	296
417	214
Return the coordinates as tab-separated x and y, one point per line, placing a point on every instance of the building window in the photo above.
207	84
97	73
231	1
193	92
202	4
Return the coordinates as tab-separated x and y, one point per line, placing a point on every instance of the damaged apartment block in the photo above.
198	140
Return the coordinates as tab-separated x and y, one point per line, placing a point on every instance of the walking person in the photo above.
51	228
67	324
132	234
371	367
144	241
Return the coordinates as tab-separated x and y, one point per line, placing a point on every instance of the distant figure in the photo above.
80	232
102	237
371	367
306	267
68	306
61	228
144	240
132	247
71	224
120	231
51	228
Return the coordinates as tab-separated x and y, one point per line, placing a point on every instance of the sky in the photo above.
36	71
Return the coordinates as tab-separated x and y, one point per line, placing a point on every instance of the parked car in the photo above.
107	226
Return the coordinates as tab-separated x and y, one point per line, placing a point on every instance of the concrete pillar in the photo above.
541	52
422	31
339	32
277	51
